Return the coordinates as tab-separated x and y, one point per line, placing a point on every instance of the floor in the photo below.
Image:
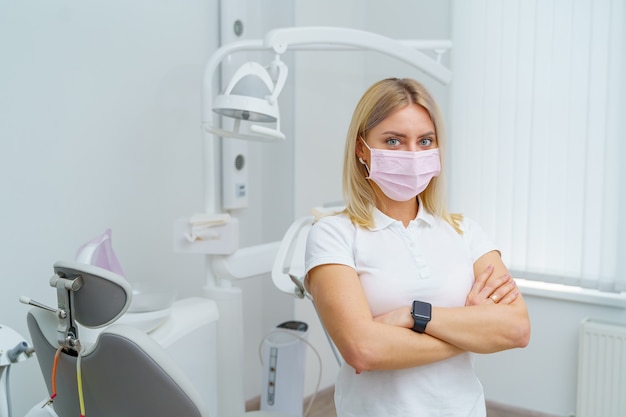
325	407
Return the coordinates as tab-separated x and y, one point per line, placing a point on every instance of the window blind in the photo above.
537	134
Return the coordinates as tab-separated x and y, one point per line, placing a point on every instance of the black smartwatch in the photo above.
421	313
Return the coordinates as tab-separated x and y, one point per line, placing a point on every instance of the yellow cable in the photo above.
79	380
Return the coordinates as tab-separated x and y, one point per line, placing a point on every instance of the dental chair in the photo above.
124	372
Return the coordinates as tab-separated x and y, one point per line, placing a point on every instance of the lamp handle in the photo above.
282	69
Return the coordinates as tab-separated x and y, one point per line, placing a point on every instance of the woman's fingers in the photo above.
474	297
509	298
506	293
492	290
497	286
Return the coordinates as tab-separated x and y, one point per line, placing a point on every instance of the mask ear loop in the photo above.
366	167
361	159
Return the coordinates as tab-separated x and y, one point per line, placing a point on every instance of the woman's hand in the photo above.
495	317
488	289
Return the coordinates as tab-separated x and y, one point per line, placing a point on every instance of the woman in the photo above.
392	276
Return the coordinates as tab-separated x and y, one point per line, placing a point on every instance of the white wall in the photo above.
99	127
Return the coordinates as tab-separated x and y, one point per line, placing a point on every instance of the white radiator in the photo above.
601	370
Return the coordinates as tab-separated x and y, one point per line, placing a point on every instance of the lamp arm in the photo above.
324	38
284	38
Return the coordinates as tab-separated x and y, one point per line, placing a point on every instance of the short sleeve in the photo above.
478	241
330	241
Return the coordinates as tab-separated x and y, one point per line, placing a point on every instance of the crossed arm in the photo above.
387	342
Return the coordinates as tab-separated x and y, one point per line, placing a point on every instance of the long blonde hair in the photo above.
379	101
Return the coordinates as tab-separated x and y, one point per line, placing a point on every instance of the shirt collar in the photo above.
425	215
382	221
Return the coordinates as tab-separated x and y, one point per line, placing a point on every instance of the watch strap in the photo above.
419	325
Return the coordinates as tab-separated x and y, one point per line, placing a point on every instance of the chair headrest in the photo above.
103	297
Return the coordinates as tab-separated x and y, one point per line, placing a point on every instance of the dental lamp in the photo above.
252	96
250	102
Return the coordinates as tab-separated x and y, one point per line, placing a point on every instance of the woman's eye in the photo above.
393	141
426	141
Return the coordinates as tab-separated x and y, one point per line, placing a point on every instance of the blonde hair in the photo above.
379	101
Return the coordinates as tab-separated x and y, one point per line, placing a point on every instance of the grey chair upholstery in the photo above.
124	373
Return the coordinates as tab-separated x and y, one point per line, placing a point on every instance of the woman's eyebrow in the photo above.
390	132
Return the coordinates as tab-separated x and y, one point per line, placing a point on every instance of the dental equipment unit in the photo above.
13	349
98	358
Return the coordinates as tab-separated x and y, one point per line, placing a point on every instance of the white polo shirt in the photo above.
427	261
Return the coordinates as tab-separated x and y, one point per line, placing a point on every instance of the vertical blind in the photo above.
537	134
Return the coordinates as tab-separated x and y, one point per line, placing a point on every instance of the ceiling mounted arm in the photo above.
280	40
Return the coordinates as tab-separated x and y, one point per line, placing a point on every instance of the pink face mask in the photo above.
402	175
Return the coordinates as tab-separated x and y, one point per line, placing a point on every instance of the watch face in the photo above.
421	310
